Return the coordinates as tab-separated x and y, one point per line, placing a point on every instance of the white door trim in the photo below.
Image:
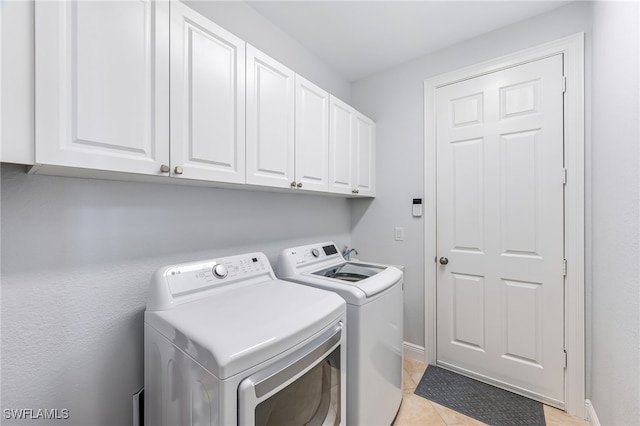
573	49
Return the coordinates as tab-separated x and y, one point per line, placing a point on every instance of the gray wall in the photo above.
77	255
615	187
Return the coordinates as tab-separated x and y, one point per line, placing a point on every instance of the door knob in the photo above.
444	260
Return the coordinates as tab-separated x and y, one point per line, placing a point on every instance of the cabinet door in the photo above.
312	136
102	84
341	135
270	125
17	82
207	99
364	158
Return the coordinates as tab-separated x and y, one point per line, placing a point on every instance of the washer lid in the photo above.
365	278
237	329
351	272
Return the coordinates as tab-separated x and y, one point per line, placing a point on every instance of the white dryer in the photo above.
226	343
375	319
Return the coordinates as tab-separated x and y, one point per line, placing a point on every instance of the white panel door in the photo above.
102	84
270	121
500	227
207	99
364	155
312	136
341	150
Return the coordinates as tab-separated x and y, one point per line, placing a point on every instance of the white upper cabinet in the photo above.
311	136
207	99
270	121
102	85
154	88
340	146
17	82
351	150
364	158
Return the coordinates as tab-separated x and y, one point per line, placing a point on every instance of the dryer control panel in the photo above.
184	282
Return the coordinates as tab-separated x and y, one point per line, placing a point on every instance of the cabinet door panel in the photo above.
207	99
341	136
17	82
312	136
102	85
270	125
364	173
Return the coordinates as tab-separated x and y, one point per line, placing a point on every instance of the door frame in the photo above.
572	48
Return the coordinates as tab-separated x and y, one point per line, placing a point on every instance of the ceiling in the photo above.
360	38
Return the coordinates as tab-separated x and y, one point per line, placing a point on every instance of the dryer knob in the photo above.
315	252
220	271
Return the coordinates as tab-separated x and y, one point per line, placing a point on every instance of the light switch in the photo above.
399	233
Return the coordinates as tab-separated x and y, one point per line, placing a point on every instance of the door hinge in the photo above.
564	267
564	84
565	358
564	176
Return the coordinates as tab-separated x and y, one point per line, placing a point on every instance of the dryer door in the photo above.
303	388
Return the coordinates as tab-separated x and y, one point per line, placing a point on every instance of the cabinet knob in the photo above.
299	185
443	260
355	191
164	168
293	184
177	170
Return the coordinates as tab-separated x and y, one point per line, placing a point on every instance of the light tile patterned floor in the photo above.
418	411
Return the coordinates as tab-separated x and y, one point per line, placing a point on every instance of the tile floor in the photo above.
418	411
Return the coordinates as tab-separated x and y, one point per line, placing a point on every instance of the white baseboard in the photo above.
414	352
592	417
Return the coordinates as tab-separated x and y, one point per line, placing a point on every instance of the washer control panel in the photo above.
313	253
197	276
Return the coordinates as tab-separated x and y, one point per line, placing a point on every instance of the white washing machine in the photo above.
226	343
375	319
